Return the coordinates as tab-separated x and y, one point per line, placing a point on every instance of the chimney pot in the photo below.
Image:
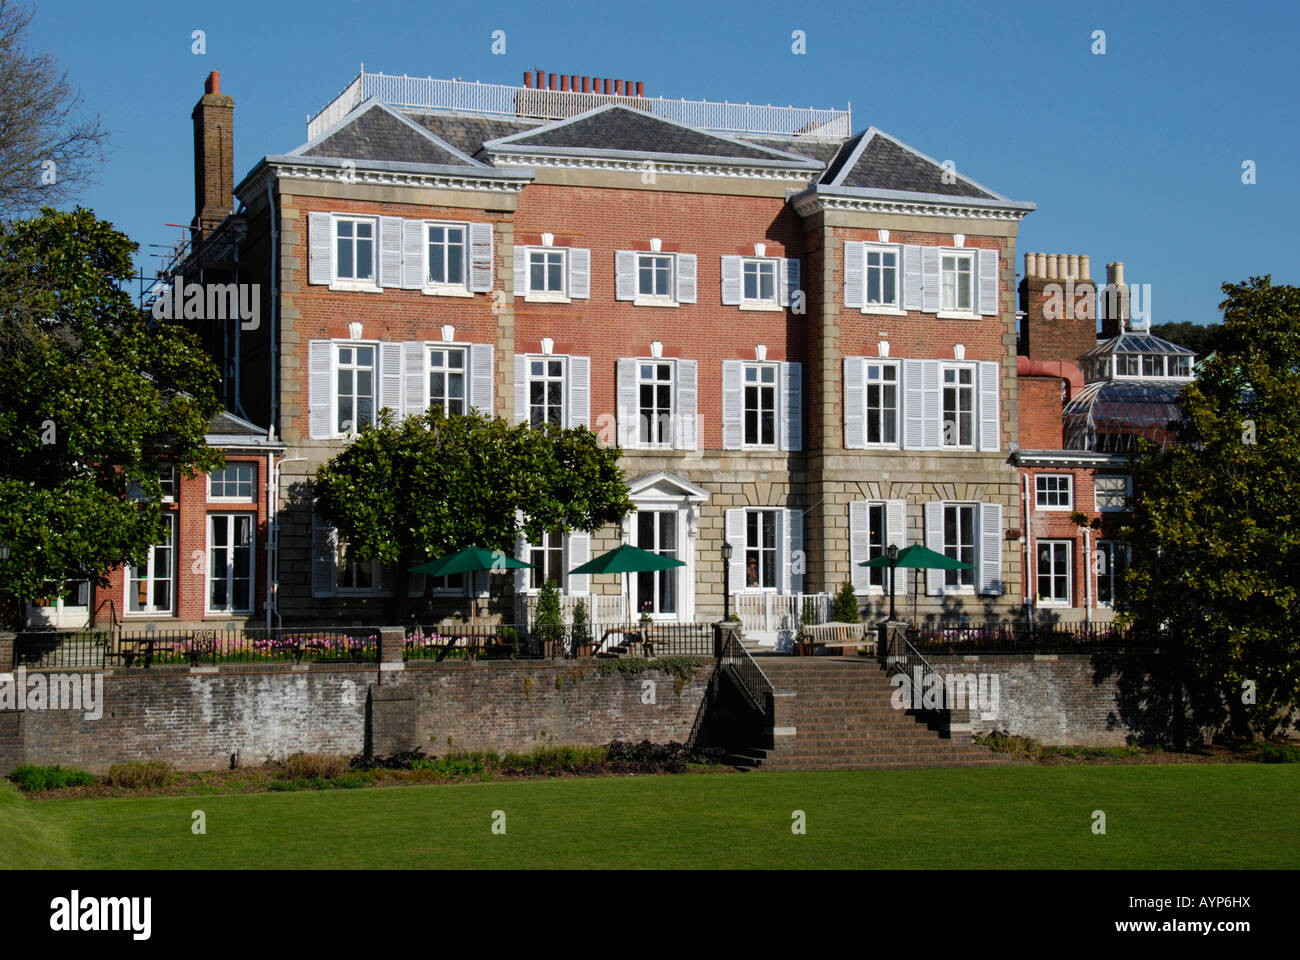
586	84
213	83
1030	262
541	80
640	88
528	79
618	87
1051	266
564	83
609	85
551	85
1085	267
1074	266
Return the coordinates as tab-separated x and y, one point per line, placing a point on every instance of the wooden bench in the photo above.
841	636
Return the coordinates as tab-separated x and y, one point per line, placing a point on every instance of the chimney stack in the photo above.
214	157
1113	304
1058	299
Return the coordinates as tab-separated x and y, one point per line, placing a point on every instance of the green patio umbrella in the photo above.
470	560
628	559
916	557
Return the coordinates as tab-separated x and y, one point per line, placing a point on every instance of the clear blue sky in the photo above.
1135	155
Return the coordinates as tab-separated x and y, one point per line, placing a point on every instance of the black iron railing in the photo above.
900	656
736	660
1023	637
539	641
146	648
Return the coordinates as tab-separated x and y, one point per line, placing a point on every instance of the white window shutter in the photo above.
731	280
390	251
320	383
736	537
912	280
988	271
521	573
579	273
415	372
390	378
324	546
854	274
629	412
792	553
521	388
579	553
482	378
521	271
686	406
896	533
931	399
791	406
930	279
855	393
859	546
990	422
414	249
320	239
480	257
990	552
686	273
624	274
733	433
579	392
934	540
789	268
913	406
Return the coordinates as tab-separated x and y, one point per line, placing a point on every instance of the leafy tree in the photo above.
1217	514
92	396
1197	337
47	149
548	622
429	485
844	608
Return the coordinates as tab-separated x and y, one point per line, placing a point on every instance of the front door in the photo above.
657	592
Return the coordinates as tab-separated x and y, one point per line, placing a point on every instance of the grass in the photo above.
1158	817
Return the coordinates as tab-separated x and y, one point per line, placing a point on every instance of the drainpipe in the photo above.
1029	552
239	357
275	300
273	538
1087	575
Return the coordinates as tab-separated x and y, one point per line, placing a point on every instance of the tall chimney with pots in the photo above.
214	157
1113	302
1058	300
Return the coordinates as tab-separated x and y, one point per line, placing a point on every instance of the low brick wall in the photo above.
197	720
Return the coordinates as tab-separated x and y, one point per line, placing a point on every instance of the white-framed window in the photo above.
447	254
1112	491
881	403
1054	573
655	403
1054	491
881	266
960	532
549	563
1153	365
958	398
877	577
545	391
658	591
355	245
758	283
167	480
230	562
957	282
353	575
547	270
447	379
760	390
761	551
654	276
1128	365
354	395
151	588
1179	367
1113	557
234	481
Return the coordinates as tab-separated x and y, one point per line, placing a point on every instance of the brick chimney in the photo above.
214	157
1058	299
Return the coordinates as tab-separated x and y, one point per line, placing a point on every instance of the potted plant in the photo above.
581	631
803	644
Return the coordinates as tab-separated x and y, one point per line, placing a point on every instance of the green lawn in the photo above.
1176	816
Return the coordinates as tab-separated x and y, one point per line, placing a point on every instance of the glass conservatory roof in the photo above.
1110	415
1130	342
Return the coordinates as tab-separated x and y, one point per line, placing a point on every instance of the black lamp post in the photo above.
726	580
893	562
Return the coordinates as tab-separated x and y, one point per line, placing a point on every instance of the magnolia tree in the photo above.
93	396
1218	516
406	491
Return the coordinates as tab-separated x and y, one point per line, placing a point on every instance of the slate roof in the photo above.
379	133
823	151
1130	342
226	429
879	162
618	129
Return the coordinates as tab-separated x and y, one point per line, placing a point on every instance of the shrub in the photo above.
31	777
1277	753
405	760
845	607
309	766
581	628
1022	748
136	774
548	624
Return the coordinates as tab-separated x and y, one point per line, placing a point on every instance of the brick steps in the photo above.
843	720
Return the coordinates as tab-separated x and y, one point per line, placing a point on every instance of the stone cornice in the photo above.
689	168
307	169
811	203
